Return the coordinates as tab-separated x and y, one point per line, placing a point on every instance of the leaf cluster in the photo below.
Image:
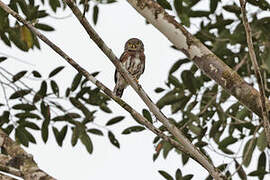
206	113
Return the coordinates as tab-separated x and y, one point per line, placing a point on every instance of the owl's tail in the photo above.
118	91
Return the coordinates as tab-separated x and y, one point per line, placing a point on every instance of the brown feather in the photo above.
132	48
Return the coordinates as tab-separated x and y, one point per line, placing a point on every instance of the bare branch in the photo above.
6	177
107	91
196	51
187	145
258	75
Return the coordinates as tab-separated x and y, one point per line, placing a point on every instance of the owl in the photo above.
133	59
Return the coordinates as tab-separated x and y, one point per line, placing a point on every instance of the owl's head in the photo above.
134	45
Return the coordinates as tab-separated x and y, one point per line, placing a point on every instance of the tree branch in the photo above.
187	145
208	62
258	75
6	177
107	91
20	160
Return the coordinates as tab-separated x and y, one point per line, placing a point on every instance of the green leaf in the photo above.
159	90
115	120
167	147
95	131
177	65
262	162
213	5
8	129
95	73
2	59
147	115
54	4
60	135
6	41
31	125
75	135
165	175
26	36
170	98
45	110
76	103
55	71
45	130
30	137
36	74
248	151
233	9
105	108
189	81
181	104
227	141
133	129
113	140
173	80
262	142
76	81
54	87
199	14
18	76
188	177
44	27
185	159
185	19
95	14
195	129
165	4
178	174
41	93
85	139
20	93
21	136
178	6
259	173
242	174
26	107
25	115
4	118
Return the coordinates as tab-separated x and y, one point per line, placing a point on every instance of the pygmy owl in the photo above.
133	59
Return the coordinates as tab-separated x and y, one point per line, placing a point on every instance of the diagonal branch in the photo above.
107	91
187	145
208	62
258	75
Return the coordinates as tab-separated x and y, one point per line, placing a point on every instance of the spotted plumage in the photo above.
133	59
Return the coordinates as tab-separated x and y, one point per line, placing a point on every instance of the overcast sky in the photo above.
117	23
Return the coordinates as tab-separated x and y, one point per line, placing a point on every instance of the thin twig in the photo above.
241	63
258	75
208	104
16	58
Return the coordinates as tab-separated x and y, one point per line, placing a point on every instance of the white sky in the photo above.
117	23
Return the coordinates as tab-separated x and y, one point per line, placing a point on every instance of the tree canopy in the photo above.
202	107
